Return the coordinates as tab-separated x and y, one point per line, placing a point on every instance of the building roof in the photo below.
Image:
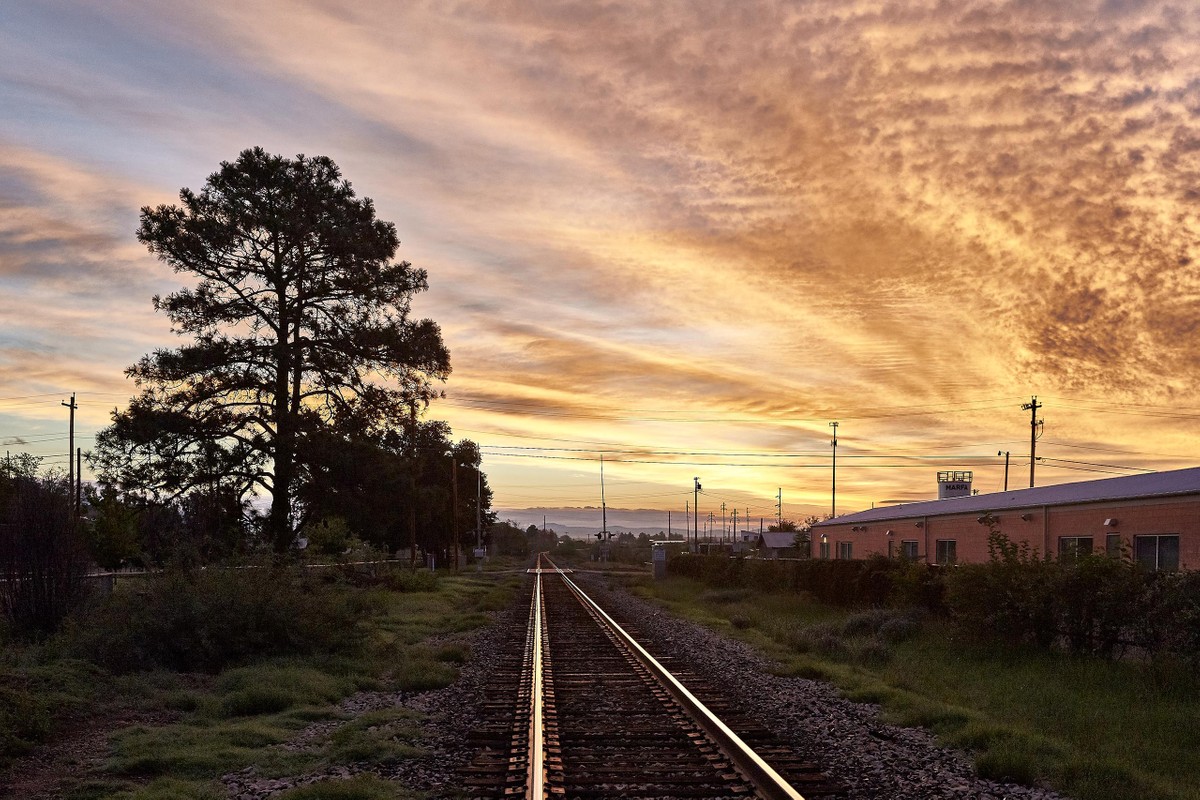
1127	487
777	539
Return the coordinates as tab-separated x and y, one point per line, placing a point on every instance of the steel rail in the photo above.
769	783
536	775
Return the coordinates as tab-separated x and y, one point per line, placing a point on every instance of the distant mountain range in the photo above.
583	523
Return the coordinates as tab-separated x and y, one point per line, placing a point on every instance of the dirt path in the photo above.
76	753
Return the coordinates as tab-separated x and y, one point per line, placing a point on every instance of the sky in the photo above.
684	236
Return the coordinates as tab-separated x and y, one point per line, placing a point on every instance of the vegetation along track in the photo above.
580	710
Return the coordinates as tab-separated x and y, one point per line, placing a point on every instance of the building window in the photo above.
1112	545
891	548
824	548
1072	548
947	551
909	549
845	550
1158	553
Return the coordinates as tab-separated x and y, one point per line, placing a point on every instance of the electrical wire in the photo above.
632	415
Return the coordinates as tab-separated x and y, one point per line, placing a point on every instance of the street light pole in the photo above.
696	515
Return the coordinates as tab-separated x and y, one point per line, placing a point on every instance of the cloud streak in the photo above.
780	212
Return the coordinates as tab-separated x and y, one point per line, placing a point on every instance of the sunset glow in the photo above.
686	236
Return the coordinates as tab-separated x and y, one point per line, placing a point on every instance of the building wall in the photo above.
1041	530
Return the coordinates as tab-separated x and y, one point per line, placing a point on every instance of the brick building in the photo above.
1154	517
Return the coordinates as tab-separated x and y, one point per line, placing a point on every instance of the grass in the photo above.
239	717
34	694
1093	729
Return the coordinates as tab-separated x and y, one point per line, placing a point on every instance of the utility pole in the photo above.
695	513
603	506
1035	428
733	538
1004	453
687	522
778	509
723	529
412	485
479	505
668	526
71	452
834	425
454	505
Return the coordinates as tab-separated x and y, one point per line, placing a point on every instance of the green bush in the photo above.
1095	600
24	720
328	536
205	620
34	697
1012	596
1169	627
1095	604
877	581
404	579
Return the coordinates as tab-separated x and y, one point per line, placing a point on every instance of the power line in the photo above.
596	412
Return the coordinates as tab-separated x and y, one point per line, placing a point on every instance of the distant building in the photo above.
777	544
1154	517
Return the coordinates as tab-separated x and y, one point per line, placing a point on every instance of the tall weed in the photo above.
205	620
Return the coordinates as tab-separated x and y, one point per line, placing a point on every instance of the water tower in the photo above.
955	483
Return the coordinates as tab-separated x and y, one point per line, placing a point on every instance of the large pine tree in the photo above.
300	325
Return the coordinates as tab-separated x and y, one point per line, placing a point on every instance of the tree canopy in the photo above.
300	330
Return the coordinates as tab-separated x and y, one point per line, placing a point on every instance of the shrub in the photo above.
845	583
207	619
329	536
1095	598
43	562
1170	624
919	585
1012	596
741	621
873	652
899	628
866	622
24	720
404	579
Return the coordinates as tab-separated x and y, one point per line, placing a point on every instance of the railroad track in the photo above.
580	710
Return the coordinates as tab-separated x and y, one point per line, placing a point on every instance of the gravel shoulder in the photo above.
850	741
